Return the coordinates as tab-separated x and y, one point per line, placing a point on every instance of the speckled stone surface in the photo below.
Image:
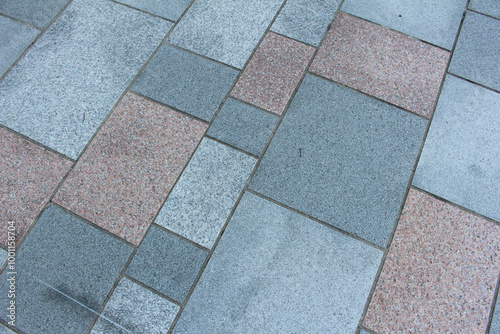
243	126
440	274
3	256
201	201
167	264
275	271
342	157
383	63
185	81
477	54
5	330
305	20
169	9
489	7
66	84
35	12
225	30
29	175
273	73
495	322
122	179
460	159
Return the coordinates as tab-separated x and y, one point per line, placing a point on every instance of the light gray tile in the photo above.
169	9
35	12
489	7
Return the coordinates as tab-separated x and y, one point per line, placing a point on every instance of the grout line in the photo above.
484	14
141	10
189	241
19	21
473	82
156	292
254	106
493	307
231	146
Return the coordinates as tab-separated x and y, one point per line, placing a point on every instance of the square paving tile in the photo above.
225	30
185	81
489	7
460	159
342	157
275	271
62	89
383	63
169	9
122	179
273	73
29	175
201	201
35	12
167	263
440	273
477	54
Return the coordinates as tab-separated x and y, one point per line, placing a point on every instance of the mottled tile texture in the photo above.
35	12
169	9
489	7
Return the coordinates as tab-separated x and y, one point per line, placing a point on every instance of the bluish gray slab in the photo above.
5	330
342	157
435	22
202	199
460	159
495	322
3	257
225	30
169	9
305	20
243	126
275	271
38	13
167	264
489	7
185	81
62	89
477	54
16	37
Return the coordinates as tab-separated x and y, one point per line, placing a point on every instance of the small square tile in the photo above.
440	273
273	73
477	53
35	12
243	126
383	63
185	81
122	179
460	159
488	7
201	201
29	175
167	264
169	9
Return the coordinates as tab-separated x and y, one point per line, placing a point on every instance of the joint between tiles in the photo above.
142	11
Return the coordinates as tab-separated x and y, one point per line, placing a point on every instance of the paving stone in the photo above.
383	63
62	89
200	203
167	263
243	126
5	330
477	53
495	322
38	13
460	158
440	273
342	157
3	256
225	30
275	271
169	9
273	73
488	7
104	326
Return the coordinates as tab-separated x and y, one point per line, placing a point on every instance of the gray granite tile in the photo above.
5	330
35	12
200	203
477	53
105	326
275	271
460	158
435	22
342	157
243	126
495	322
185	81
169	9
489	7
224	30
305	20
3	257
66	84
167	264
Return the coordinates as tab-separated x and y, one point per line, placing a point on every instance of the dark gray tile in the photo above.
169	9
35	12
489	7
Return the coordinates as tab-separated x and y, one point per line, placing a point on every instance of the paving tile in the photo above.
460	158
489	7
201	201
440	273
185	81
167	264
495	322
5	330
273	73
243	126
305	20
169	9
38	13
436	22
225	30
383	63
342	157
3	256
29	176
124	176
477	53
275	271
62	89
104	326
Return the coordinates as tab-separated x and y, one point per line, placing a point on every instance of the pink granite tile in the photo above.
389	65
124	176
29	174
273	73
440	273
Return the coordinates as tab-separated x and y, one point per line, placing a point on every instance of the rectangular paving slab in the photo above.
35	12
